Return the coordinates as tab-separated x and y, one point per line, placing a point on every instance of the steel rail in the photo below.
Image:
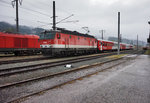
23	69
67	82
54	74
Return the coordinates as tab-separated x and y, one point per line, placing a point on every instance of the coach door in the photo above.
101	45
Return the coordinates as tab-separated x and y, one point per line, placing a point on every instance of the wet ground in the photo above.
31	87
124	84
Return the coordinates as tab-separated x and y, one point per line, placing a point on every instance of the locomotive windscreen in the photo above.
47	35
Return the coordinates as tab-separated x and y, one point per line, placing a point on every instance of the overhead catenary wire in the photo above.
27	9
4	2
41	13
65	18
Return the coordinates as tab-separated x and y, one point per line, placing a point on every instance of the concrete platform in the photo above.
127	84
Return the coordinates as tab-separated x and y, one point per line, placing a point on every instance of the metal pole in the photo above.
137	42
149	28
54	17
102	34
118	33
149	34
17	18
120	38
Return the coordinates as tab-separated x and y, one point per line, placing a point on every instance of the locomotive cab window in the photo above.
47	35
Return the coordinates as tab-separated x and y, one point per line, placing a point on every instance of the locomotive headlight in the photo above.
46	46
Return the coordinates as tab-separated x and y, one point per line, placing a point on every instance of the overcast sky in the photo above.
94	14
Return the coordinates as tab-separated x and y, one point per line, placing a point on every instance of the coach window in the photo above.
58	36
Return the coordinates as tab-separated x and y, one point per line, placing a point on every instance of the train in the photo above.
19	44
60	42
104	45
65	42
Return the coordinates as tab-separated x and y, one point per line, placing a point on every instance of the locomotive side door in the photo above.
92	44
66	43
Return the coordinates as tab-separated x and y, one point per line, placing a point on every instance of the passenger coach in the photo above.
104	45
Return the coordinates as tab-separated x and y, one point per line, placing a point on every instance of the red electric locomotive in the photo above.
19	44
64	42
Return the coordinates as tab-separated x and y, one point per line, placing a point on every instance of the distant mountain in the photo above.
4	26
124	40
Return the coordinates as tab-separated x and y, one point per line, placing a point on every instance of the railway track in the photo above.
42	78
64	73
23	69
23	60
12	55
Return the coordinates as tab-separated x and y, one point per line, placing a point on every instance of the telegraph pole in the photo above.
17	17
54	17
118	33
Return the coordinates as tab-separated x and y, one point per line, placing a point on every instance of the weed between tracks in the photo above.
147	52
116	56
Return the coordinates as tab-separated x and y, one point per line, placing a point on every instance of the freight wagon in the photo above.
19	44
